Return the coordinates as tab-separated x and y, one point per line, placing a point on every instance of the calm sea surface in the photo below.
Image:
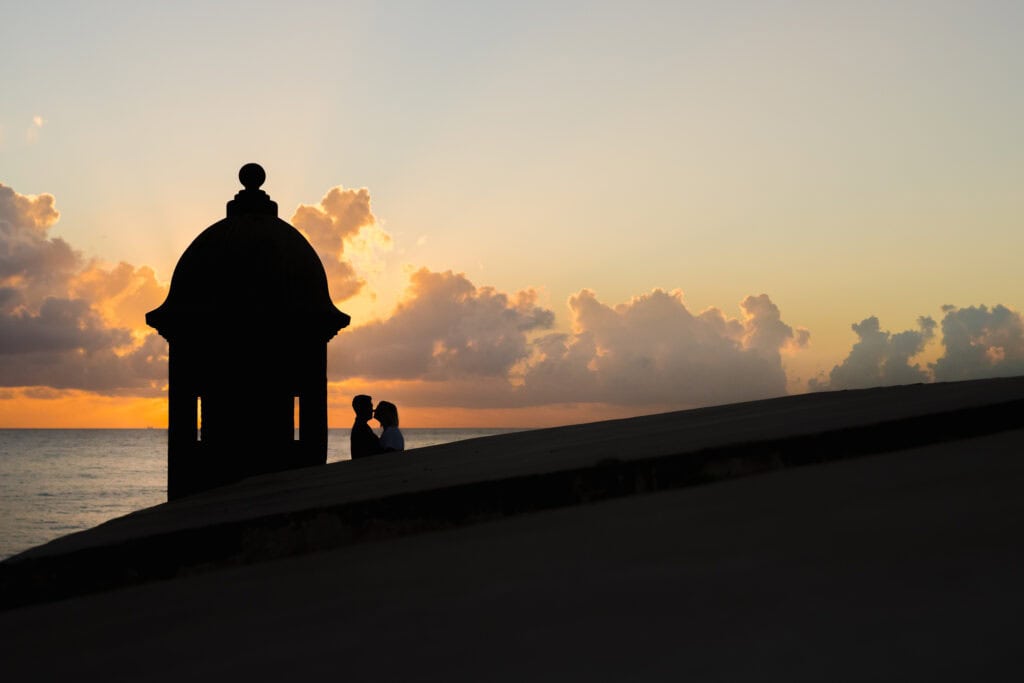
56	481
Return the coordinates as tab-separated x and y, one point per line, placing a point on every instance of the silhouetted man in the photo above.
363	441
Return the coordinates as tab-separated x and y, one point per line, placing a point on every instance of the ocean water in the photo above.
57	481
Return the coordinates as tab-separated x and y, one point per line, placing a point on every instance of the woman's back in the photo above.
392	439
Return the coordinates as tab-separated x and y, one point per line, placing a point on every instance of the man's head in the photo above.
363	405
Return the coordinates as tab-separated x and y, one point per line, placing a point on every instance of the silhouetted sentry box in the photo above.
248	318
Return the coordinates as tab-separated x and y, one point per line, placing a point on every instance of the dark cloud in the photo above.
66	323
140	371
60	325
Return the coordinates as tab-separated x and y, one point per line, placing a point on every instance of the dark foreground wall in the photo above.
898	567
458	484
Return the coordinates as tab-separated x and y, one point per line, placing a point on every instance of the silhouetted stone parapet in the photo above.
457	484
248	318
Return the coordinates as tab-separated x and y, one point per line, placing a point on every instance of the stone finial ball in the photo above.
252	176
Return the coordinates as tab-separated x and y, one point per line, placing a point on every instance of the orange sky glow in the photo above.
75	410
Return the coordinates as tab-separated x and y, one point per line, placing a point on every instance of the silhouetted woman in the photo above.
391	438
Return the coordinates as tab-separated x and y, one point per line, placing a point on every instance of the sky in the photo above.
535	213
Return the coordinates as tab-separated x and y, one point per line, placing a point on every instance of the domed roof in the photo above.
250	269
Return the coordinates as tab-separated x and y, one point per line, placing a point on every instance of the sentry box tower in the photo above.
247	318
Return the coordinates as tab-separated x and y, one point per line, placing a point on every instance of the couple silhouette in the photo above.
364	442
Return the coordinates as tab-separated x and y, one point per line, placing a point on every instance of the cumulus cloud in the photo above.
122	294
880	358
445	328
480	347
30	261
71	323
980	342
977	342
653	350
66	322
343	230
764	331
111	369
59	325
